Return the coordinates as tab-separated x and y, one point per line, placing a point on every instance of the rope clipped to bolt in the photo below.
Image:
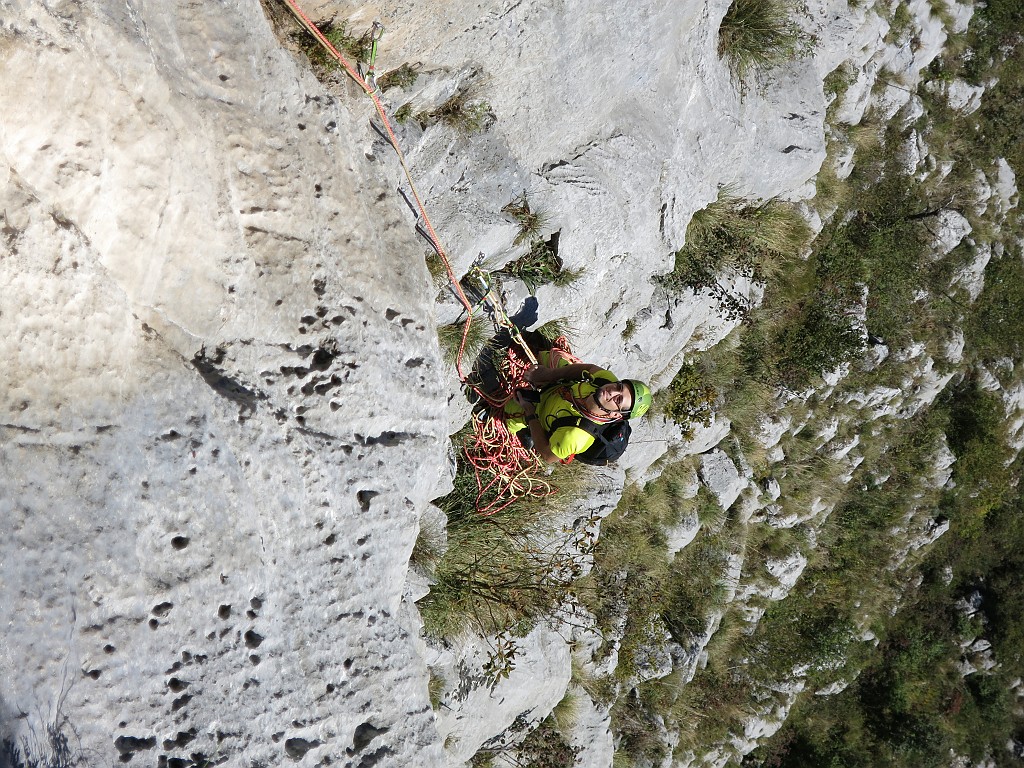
513	471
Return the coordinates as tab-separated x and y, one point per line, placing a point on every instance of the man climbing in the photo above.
570	418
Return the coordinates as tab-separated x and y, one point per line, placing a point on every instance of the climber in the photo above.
576	410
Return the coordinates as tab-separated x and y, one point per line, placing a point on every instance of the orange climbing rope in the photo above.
492	451
435	241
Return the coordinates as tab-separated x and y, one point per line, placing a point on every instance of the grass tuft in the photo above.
532	222
559	326
450	338
461	112
400	77
758	35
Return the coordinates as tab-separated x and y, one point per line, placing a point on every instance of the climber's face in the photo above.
614	397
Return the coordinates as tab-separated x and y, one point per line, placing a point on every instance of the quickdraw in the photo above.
376	33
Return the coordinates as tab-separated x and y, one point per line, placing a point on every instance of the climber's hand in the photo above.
528	408
533	376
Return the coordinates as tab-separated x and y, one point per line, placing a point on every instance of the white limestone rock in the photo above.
591	732
1005	186
785	572
677	537
223	417
477	711
947	228
961	95
719	474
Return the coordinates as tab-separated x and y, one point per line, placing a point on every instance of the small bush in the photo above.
501	573
691	399
542	266
698	587
730	237
404	113
758	35
545	747
355	48
995	327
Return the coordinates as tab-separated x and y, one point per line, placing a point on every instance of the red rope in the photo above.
505	471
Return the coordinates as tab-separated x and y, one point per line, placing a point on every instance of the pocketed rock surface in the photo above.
220	404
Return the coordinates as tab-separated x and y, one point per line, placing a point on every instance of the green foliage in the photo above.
691	399
558	326
901	22
503	572
697	588
910	706
400	77
541	265
977	436
818	337
732	238
631	568
354	47
995	327
545	747
873	260
759	35
404	113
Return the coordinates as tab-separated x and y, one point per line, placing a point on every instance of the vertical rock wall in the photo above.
220	405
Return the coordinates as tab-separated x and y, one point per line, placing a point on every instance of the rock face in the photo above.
219	401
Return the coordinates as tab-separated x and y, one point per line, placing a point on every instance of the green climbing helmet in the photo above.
641	398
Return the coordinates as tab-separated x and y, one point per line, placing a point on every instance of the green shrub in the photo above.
404	113
503	572
977	436
541	265
995	327
698	587
691	399
354	47
730	237
545	747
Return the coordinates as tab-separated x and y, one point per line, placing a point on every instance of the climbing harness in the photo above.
512	471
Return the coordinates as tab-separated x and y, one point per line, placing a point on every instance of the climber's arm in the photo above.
540	376
541	444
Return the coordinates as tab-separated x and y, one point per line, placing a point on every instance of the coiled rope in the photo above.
512	472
